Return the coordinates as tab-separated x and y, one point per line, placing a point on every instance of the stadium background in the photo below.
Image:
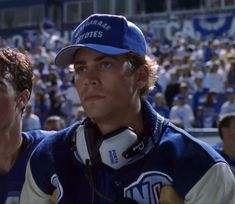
196	19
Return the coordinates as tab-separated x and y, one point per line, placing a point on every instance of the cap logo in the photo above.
91	34
102	24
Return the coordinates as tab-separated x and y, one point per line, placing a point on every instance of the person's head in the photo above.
184	88
230	94
112	70
54	123
80	113
198	81
173	76
15	83
28	109
210	98
226	126
231	58
159	99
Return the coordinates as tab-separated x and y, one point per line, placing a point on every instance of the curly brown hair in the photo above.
16	68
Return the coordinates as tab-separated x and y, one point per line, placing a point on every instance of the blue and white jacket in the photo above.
231	160
11	183
171	157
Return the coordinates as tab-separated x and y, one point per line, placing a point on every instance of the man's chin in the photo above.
95	114
98	116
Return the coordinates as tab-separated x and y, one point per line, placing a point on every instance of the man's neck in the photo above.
10	146
132	119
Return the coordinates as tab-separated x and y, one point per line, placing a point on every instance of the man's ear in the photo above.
142	76
22	99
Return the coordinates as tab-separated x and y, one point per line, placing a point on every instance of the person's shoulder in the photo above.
187	155
183	144
51	149
52	139
38	133
35	136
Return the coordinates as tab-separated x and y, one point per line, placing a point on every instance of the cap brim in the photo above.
66	55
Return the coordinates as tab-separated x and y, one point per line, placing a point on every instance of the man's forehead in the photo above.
84	54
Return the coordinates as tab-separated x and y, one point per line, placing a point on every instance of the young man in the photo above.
15	146
123	152
227	134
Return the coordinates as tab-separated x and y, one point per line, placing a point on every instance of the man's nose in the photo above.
92	77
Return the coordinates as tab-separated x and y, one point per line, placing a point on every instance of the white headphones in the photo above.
110	149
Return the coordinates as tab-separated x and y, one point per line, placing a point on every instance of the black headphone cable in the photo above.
92	185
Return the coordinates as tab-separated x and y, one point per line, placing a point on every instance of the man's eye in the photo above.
80	70
106	65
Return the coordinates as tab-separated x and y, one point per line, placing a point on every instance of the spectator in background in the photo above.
172	88
230	78
40	98
184	75
30	121
159	104
163	74
182	113
15	146
226	128
229	105
199	93
199	116
66	80
41	106
54	94
185	92
80	114
212	78
54	123
71	100
210	112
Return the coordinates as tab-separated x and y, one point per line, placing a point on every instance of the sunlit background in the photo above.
42	27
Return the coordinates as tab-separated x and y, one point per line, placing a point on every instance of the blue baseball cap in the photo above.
108	34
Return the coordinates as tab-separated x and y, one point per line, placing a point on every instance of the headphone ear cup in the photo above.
112	148
109	149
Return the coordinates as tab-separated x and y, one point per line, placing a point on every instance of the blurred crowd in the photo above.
196	81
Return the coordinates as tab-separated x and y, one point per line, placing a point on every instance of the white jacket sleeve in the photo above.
31	193
217	186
